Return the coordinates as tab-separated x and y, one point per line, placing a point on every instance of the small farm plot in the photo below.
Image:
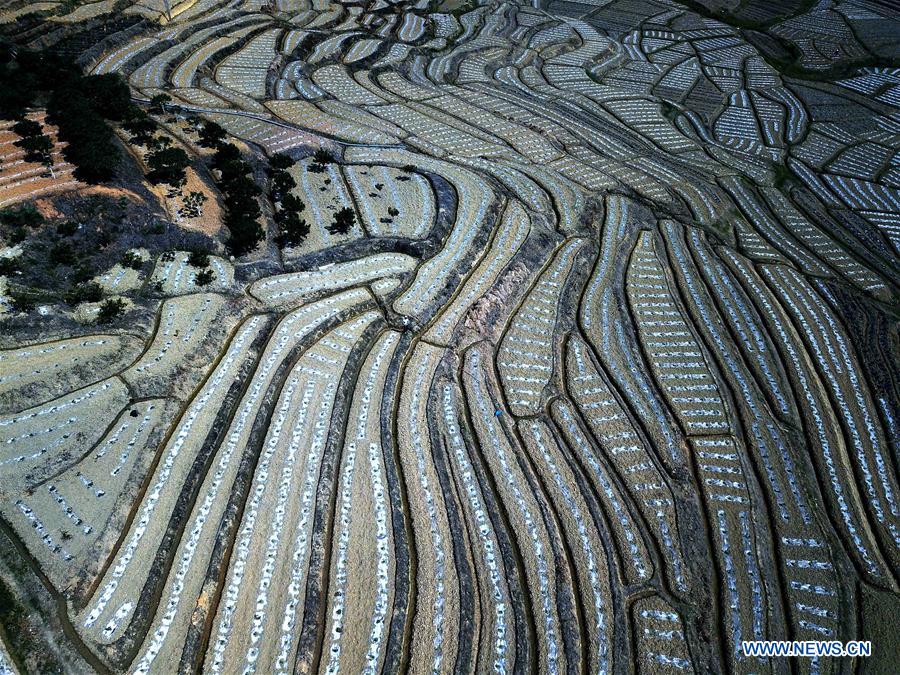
274	542
122	279
246	70
475	198
526	359
49	437
30	375
392	202
473	304
325	193
362	569
661	645
610	424
21	179
192	557
438	597
185	325
675	355
177	276
495	626
164	646
118	592
294	288
83	509
501	454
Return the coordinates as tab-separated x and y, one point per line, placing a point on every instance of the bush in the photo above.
198	259
85	292
204	277
26	215
281	161
22	302
110	309
9	266
211	135
343	221
67	228
168	165
132	260
82	272
62	253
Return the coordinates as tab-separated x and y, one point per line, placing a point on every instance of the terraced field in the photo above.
604	377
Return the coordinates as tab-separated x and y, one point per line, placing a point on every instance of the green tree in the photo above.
27	128
168	165
158	103
281	161
89	291
204	277
108	94
110	309
198	259
211	135
293	230
343	221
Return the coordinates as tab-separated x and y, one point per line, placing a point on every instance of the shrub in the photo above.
343	221
110	309
22	302
132	260
26	215
89	291
198	259
9	266
211	135
67	228
204	277
62	253
83	271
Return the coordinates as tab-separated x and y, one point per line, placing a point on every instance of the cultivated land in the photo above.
562	338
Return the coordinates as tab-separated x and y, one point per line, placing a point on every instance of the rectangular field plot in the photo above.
32	374
178	277
391	201
41	440
263	584
294	288
69	520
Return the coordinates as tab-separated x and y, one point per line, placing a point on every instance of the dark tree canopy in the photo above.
343	221
168	165
211	135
